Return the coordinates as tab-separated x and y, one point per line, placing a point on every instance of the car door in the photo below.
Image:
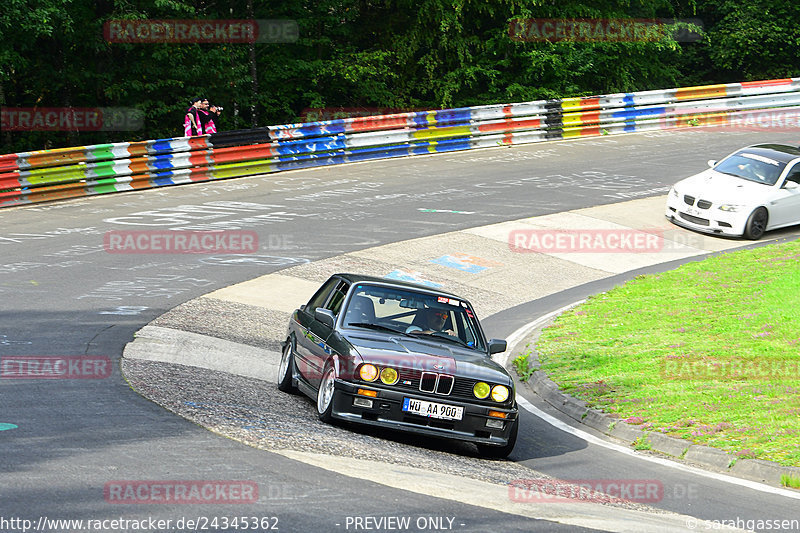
306	344
315	347
784	206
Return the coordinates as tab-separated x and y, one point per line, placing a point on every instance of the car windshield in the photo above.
752	167
408	312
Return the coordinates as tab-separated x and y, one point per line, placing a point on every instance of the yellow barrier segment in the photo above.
440	133
704	91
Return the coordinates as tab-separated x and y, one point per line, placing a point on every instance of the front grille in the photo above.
689	200
427	382
696	220
414	380
438	383
456	388
463	388
703	204
445	385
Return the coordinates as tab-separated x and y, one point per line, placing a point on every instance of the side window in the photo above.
337	297
318	300
794	175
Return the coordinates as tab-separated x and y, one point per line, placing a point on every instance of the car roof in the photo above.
359	278
779	152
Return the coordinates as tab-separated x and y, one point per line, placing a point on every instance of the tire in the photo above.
501	452
756	224
325	394
286	369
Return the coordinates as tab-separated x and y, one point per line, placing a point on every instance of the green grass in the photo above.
634	352
790	481
523	366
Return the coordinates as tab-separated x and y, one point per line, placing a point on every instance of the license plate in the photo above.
432	409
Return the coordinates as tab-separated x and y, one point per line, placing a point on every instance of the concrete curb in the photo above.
167	345
709	458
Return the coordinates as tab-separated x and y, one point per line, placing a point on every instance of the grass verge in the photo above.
709	352
790	481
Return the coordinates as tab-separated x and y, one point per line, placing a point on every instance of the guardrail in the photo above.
47	175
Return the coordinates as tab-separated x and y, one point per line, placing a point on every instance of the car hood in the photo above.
427	355
721	188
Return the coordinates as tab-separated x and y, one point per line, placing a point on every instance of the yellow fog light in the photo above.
368	372
481	390
500	393
367	392
497	414
389	376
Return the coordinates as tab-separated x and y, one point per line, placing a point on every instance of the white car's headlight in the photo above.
731	208
674	192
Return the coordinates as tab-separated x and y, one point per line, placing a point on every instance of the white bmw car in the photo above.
753	190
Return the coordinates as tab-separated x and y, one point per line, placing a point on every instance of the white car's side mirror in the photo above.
712	162
791	185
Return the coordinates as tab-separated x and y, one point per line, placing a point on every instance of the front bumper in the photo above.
386	411
711	220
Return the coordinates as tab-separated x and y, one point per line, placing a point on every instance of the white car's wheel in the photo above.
756	224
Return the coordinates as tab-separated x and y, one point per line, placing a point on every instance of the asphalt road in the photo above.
63	294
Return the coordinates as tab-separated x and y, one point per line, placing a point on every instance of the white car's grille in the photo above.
703	204
695	220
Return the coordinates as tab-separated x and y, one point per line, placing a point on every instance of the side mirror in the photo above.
325	316
712	162
497	346
791	185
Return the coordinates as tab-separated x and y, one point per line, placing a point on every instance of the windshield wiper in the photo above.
444	336
370	325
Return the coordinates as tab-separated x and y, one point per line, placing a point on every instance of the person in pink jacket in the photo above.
199	118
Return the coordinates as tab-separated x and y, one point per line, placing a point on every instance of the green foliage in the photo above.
790	481
364	54
642	443
523	366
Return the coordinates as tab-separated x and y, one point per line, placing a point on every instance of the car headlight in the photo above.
674	192
731	208
368	372
481	390
389	376
500	393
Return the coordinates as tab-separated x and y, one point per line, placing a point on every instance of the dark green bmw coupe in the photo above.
402	356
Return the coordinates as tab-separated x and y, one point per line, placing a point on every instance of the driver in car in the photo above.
430	321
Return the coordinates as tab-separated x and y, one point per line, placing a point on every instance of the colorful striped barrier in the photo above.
47	175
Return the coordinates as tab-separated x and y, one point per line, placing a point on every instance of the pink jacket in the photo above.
198	122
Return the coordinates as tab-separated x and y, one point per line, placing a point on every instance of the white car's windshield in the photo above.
752	167
413	313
